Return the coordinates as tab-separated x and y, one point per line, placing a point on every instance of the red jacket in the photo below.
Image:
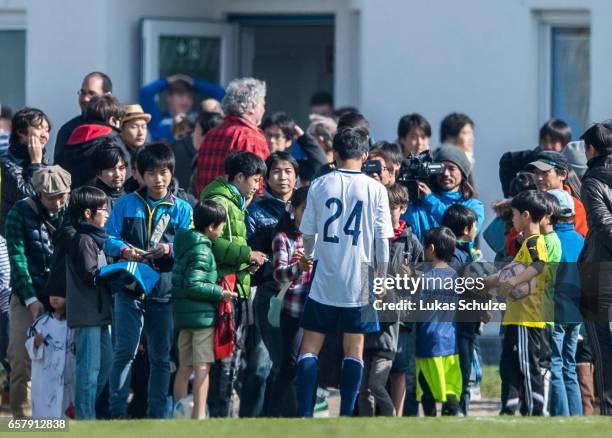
580	219
234	134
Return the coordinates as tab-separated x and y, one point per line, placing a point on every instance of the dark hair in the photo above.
23	119
553	207
413	121
443	240
281	156
339	112
393	151
208	120
380	153
452	125
322	98
155	156
283	121
286	223
556	130
351	143
354	120
106	157
243	162
179	87
207	213
466	187
531	201
600	137
102	108
107	84
5	112
458	217
398	195
521	182
83	198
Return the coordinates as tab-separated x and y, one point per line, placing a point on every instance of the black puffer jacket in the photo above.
17	171
596	256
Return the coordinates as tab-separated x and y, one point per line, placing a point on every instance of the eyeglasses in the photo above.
82	92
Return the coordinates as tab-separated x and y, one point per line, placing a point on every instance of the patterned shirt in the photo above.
234	134
286	270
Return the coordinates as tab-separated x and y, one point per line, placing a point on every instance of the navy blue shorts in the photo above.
323	318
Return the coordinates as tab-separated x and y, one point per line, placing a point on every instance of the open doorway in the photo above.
293	54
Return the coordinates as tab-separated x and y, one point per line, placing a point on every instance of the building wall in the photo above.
476	56
392	57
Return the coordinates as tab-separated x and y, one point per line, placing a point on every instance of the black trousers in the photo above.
522	381
599	336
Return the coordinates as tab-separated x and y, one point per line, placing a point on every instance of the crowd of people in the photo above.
209	262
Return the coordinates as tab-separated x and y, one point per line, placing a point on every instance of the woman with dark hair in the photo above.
29	135
453	186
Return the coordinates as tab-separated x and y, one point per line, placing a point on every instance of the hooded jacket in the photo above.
427	214
133	222
231	251
81	145
88	301
195	292
596	256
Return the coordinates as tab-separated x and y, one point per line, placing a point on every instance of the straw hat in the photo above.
133	112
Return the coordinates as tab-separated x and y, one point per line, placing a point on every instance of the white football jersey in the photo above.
347	210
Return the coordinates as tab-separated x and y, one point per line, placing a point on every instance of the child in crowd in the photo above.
182	126
88	302
50	346
407	251
292	271
437	363
111	166
195	298
380	348
462	222
520	369
565	398
141	228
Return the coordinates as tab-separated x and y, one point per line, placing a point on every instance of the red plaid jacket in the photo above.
234	134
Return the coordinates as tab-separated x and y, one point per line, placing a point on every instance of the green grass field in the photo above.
347	427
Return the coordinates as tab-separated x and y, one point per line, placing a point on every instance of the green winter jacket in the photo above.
195	292
231	251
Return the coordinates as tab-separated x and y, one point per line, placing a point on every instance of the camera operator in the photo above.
453	186
385	173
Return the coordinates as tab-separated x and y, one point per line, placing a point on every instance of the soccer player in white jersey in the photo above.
347	215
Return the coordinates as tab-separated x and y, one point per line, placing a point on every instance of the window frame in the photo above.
547	20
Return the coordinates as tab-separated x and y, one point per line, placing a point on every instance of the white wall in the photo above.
476	56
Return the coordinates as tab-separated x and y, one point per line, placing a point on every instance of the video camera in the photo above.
371	166
417	167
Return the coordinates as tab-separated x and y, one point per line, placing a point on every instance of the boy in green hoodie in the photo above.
195	296
243	173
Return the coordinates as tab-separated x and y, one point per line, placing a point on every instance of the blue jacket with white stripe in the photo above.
134	220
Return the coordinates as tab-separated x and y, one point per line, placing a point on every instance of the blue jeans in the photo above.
131	317
255	375
93	363
565	398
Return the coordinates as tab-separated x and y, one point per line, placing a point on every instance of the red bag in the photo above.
225	332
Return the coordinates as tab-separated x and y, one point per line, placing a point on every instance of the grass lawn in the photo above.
490	385
347	427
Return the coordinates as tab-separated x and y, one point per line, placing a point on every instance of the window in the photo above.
565	72
12	53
